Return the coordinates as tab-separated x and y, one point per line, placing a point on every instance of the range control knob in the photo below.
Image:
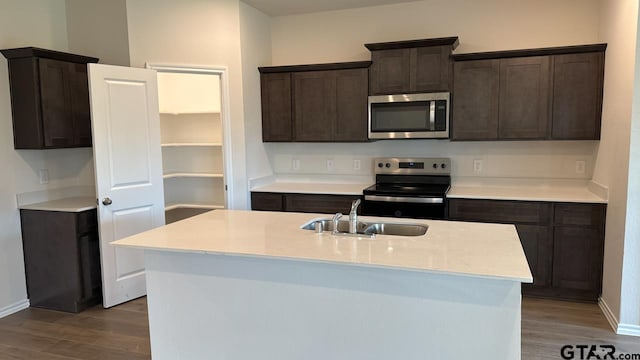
380	165
435	166
443	165
388	165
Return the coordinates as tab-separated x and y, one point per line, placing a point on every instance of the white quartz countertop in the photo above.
73	204
509	189
579	194
448	247
313	188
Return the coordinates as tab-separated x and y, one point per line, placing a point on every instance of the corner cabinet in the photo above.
49	98
563	242
315	103
191	138
411	66
537	94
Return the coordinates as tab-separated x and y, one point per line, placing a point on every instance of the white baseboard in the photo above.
626	329
620	329
14	308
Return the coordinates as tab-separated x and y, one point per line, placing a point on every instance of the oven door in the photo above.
404	206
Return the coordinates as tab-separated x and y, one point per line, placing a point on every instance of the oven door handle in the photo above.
405	199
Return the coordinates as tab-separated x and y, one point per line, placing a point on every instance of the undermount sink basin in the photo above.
396	229
378	228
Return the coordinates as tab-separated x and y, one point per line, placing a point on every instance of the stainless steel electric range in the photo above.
413	188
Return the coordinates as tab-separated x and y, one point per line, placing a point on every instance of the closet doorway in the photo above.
194	139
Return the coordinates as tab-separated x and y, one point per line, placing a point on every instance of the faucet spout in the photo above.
353	216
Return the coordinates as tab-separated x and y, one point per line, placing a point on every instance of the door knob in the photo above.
106	201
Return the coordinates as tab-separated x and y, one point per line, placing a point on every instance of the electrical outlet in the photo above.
295	164
580	166
356	164
329	165
43	174
477	166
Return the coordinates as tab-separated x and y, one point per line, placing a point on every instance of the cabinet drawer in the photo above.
579	214
326	204
500	211
87	220
267	201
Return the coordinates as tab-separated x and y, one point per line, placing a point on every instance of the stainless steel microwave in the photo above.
409	116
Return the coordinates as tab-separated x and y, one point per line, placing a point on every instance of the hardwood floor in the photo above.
122	332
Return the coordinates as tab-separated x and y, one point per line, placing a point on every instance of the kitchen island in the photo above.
254	285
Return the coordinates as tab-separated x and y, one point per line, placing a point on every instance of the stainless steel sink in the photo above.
378	228
396	229
327	225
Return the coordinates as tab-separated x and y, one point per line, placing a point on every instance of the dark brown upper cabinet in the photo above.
411	66
577	96
475	100
537	94
49	98
276	107
315	103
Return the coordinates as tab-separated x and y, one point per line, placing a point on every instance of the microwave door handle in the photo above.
432	115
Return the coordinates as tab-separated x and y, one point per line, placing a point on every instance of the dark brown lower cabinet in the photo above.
312	203
537	244
62	259
563	242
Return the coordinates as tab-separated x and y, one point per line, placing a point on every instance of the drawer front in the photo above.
579	214
325	204
267	201
87	221
500	211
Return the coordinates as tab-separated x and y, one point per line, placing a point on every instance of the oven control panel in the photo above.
413	166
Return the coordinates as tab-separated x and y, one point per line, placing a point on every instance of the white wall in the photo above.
482	26
38	23
255	35
199	33
618	26
98	28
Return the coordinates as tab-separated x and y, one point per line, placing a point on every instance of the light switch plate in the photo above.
356	164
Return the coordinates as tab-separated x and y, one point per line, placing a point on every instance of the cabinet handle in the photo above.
106	201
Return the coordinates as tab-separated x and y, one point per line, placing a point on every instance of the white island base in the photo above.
212	306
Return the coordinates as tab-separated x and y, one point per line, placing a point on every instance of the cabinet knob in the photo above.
106	201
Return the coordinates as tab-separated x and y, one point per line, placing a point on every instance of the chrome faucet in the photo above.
353	217
336	220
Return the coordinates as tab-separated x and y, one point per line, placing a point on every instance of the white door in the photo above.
128	169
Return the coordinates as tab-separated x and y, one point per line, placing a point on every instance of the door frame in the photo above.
223	72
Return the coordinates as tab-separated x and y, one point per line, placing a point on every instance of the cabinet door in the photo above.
475	100
276	107
56	103
390	71
79	99
325	204
537	244
430	67
524	98
577	96
577	259
351	105
314	106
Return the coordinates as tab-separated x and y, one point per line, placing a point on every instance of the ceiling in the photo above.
290	7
